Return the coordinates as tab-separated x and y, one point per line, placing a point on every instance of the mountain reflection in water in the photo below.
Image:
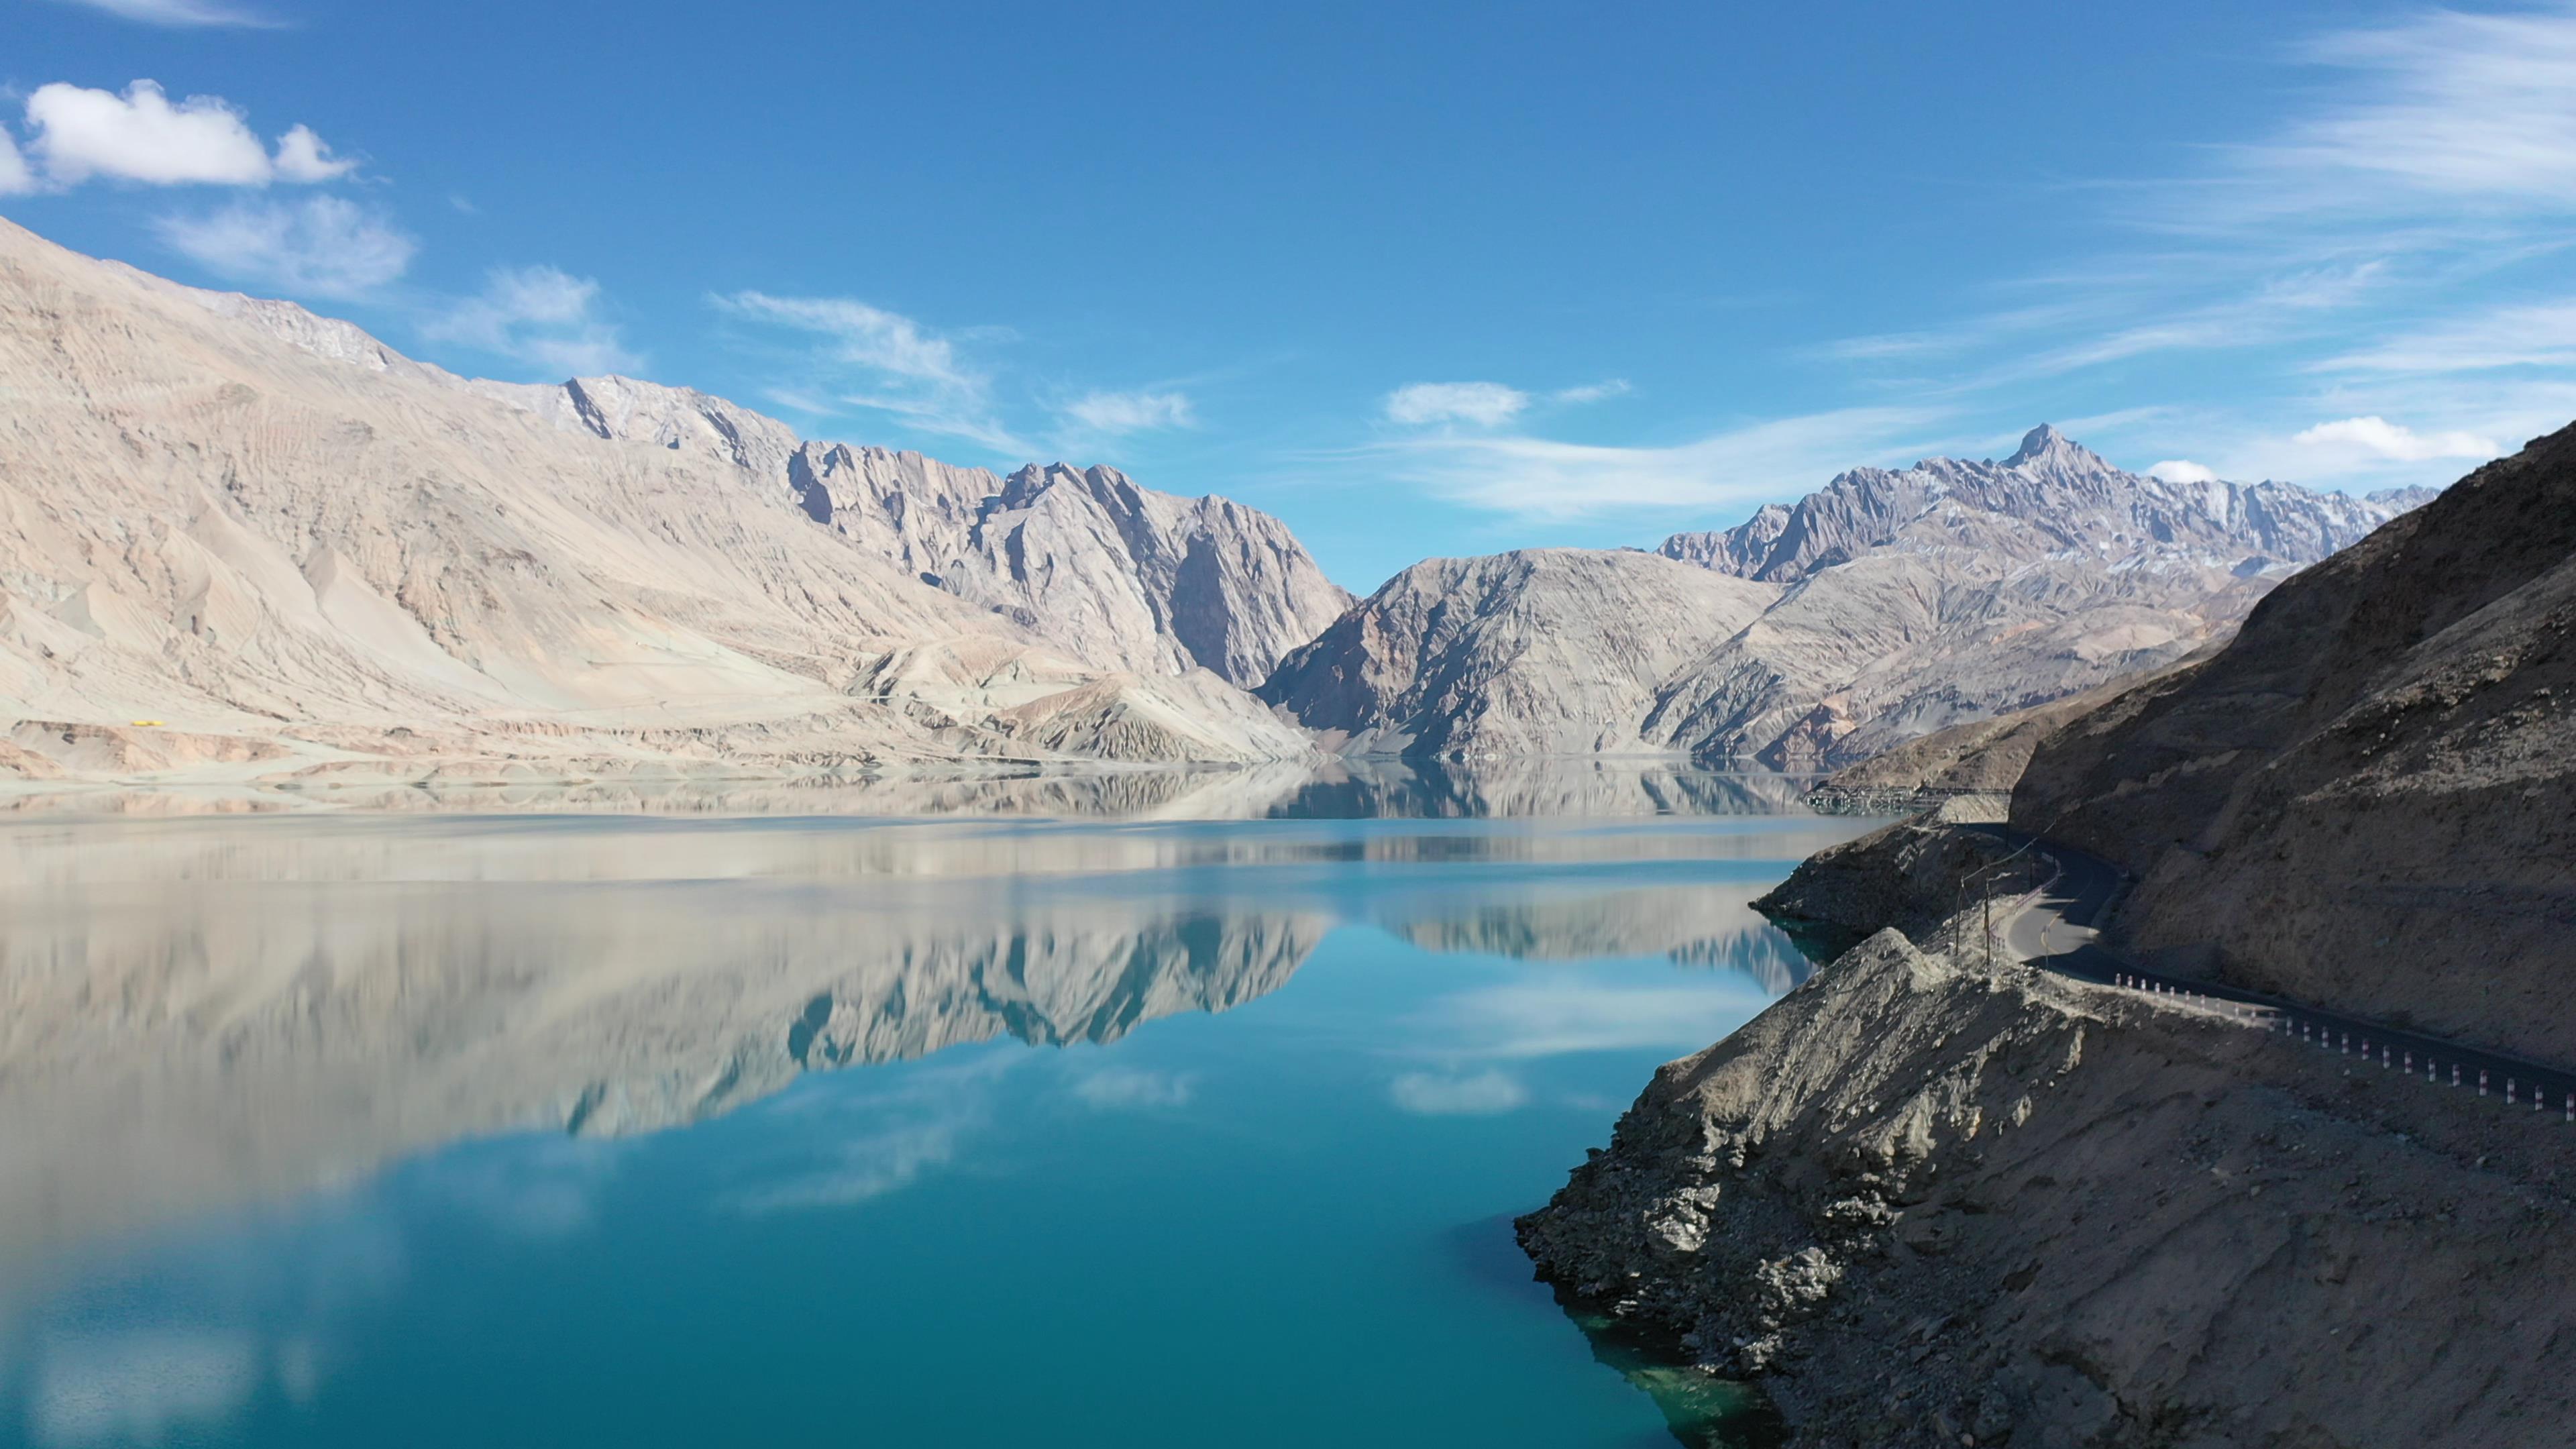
206	1020
1334	790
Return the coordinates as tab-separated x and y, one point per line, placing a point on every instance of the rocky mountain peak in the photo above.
2045	449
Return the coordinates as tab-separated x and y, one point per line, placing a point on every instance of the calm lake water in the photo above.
361	1129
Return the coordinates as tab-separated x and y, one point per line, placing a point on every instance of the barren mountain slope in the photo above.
242	520
1542	651
1960	591
1115	573
2365	800
2053	497
1118	576
1947	593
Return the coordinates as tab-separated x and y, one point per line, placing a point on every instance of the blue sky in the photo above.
1422	279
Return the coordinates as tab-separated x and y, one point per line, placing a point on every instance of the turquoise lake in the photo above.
358	1129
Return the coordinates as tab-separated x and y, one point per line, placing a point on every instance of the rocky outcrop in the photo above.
2366	801
1907	876
1948	593
1537	652
222	516
1931	1203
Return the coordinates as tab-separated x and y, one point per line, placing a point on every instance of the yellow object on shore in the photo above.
146	723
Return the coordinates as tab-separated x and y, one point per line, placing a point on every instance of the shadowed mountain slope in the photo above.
2364	801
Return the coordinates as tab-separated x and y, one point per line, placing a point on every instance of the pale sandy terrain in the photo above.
294	552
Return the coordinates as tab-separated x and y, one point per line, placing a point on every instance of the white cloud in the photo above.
141	136
900	1136
1540	478
79	133
1489	404
177	12
15	177
2439	153
2537	335
1111	1088
901	367
323	246
1551	1015
1592	392
533	1187
2381	438
1482	1095
2181	470
869	1166
538	315
304	157
1130	412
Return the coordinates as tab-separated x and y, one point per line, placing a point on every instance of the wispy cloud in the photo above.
1485	1094
323	246
2359	238
2532	335
1543	479
1552	1014
1591	392
537	315
886	362
184	13
1486	404
76	134
1116	1088
2451	110
895	1137
1116	414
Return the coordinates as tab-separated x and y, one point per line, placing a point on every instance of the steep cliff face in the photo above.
1935	1204
2366	801
1143	580
1113	574
1542	651
232	517
1948	593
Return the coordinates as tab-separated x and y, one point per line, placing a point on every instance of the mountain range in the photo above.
243	543
298	551
1884	606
